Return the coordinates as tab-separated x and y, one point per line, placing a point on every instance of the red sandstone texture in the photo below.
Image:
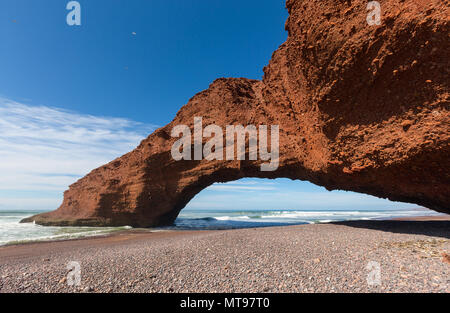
361	108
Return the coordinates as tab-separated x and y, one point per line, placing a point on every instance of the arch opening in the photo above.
260	202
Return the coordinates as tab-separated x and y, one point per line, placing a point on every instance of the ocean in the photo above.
12	232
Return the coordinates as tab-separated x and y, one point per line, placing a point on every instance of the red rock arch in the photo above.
360	108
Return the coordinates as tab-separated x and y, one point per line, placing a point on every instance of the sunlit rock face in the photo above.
359	107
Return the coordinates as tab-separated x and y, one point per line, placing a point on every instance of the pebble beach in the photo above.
331	257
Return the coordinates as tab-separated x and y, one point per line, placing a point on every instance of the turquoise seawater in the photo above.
11	231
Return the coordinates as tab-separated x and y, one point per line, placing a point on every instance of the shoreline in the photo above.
134	231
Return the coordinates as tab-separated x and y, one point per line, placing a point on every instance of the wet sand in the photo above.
443	217
305	258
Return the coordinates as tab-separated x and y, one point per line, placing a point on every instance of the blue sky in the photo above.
75	97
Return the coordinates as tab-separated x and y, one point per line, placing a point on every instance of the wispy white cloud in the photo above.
239	187
46	149
44	204
250	181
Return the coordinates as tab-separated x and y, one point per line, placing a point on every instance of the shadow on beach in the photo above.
428	228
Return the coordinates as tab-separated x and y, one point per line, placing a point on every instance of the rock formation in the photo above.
360	108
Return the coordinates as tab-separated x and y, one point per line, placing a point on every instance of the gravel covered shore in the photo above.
306	258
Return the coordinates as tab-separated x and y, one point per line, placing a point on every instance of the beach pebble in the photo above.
326	258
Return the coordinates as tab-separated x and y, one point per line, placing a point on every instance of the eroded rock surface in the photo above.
361	108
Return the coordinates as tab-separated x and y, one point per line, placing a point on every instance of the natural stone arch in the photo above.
359	108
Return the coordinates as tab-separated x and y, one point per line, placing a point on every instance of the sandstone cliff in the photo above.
361	108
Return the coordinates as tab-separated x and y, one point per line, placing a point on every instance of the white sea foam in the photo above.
11	231
228	218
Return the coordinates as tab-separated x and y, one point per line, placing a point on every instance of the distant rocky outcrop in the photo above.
360	108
